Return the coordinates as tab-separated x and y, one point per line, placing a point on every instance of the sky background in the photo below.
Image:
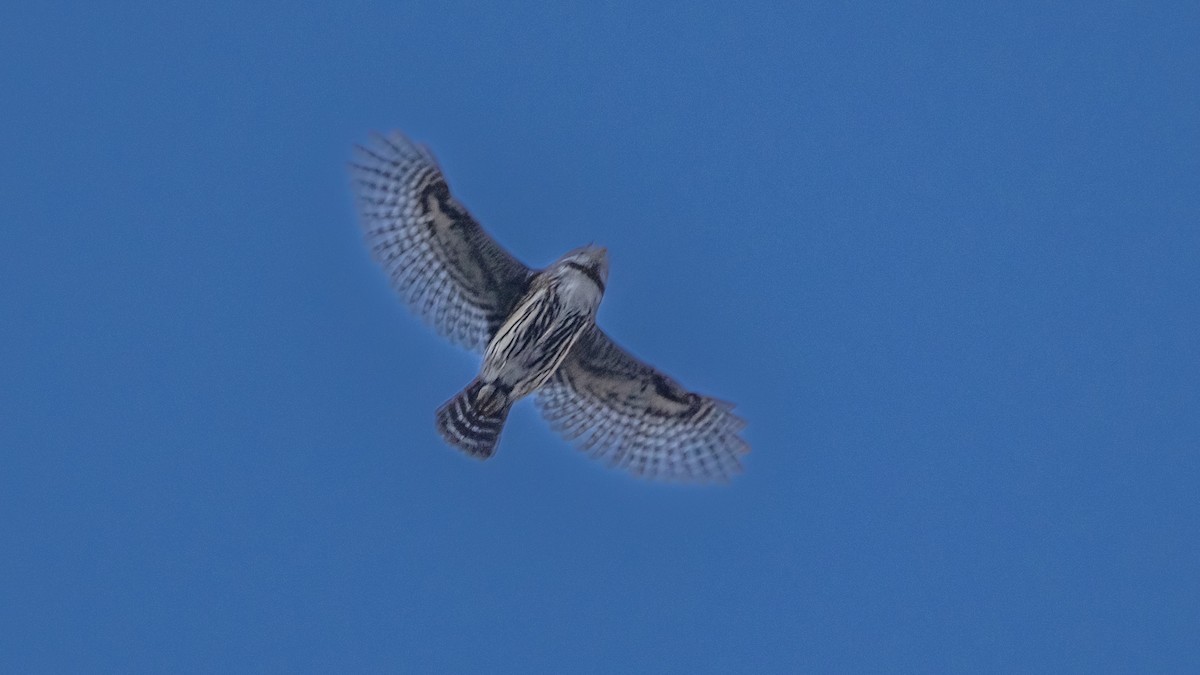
944	256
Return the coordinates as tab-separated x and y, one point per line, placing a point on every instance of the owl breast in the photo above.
535	339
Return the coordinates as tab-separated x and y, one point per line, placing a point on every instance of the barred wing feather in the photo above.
444	265
618	408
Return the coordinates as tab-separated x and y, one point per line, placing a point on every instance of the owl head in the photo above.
592	260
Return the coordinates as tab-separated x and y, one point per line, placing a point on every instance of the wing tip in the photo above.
395	146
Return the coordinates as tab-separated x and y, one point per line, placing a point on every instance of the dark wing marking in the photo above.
444	265
621	409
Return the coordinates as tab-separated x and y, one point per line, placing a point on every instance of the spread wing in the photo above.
621	409
444	265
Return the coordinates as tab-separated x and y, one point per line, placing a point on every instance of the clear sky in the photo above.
944	256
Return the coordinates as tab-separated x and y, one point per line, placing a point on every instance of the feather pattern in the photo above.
617	408
444	265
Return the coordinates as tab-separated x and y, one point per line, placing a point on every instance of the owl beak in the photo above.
602	262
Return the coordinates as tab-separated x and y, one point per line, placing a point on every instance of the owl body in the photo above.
534	340
536	330
527	349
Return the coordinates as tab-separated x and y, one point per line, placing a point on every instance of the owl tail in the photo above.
472	420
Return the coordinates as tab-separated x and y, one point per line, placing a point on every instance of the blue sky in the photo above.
942	255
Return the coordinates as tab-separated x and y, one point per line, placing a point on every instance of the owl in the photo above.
536	330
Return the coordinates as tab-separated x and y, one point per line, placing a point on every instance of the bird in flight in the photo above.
536	330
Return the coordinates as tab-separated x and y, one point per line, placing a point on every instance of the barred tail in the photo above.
472	420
